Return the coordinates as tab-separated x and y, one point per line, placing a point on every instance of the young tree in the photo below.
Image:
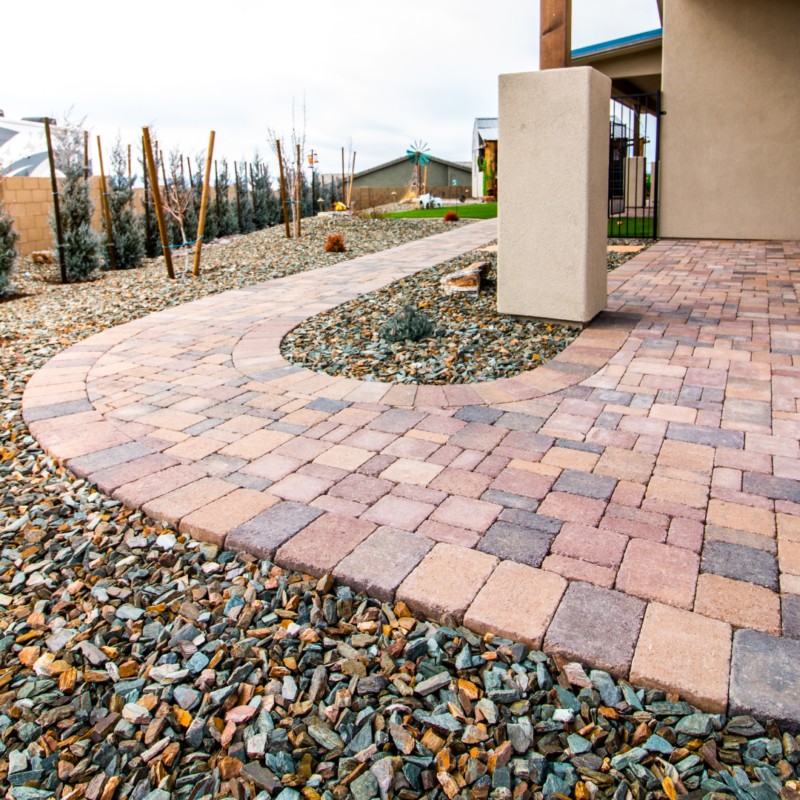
292	166
126	224
245	198
267	207
224	206
81	243
177	201
8	252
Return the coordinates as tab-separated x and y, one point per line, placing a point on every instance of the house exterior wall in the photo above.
642	67
400	175
729	161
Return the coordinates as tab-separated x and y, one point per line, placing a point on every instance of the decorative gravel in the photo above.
471	343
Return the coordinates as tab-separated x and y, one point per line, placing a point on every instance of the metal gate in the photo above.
633	166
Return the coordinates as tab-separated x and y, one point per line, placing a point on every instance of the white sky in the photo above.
383	72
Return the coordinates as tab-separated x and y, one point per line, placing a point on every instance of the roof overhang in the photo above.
627	45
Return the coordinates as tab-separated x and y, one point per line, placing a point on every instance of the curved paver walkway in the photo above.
632	504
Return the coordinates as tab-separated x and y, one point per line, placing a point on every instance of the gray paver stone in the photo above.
264	534
699	434
765	678
381	562
520	422
600	487
536	522
524	545
478	414
790	612
771	486
596	626
740	564
396	420
510	500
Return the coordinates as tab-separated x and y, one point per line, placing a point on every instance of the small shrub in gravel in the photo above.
451	216
335	244
407	325
81	243
126	224
8	252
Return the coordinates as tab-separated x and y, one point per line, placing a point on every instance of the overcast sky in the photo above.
385	73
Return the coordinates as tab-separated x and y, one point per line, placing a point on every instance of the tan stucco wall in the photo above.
553	178
730	167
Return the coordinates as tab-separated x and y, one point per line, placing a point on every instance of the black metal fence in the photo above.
633	166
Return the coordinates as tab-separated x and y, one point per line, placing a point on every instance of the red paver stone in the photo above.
272	467
527	484
361	489
107	480
572	508
399	513
464	512
658	572
440	532
140	491
590	544
317	549
461	482
446	582
684	652
576	570
517	602
686	533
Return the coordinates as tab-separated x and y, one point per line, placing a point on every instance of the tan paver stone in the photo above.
789	557
194	448
170	419
788	527
451	534
743	518
574	569
317	549
684	652
272	467
738	603
446	582
300	488
517	602
658	572
136	493
684	455
256	444
344	457
570	459
625	465
691	494
212	522
174	506
406	470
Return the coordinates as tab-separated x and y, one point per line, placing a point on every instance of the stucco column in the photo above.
553	194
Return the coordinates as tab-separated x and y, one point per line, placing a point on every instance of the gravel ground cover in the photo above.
472	341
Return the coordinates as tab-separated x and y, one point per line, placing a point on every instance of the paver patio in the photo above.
638	496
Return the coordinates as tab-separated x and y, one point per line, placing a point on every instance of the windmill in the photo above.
418	154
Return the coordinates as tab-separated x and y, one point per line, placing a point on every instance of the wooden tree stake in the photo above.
352	173
283	192
216	197
106	207
298	193
201	225
343	183
162	225
56	207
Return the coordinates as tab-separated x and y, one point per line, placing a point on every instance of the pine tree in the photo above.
8	252
126	224
266	201
245	199
81	243
224	205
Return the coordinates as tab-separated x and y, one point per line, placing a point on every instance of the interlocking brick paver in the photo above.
516	543
172	507
382	561
598	486
300	488
574	569
476	515
739	603
517	602
745	518
344	457
590	544
406	470
399	512
446	581
741	563
685	652
318	548
212	522
572	508
596	626
264	534
520	482
361	489
461	482
765	677
658	572
452	534
625	465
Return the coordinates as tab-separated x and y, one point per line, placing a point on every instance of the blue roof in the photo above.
637	37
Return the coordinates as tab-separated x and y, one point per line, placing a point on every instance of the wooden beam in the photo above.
555	39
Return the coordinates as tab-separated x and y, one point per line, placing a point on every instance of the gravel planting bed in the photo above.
471	343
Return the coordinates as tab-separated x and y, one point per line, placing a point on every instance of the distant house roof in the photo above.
23	149
456	164
487	128
616	45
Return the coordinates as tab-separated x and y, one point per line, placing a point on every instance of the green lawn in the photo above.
471	211
631	228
